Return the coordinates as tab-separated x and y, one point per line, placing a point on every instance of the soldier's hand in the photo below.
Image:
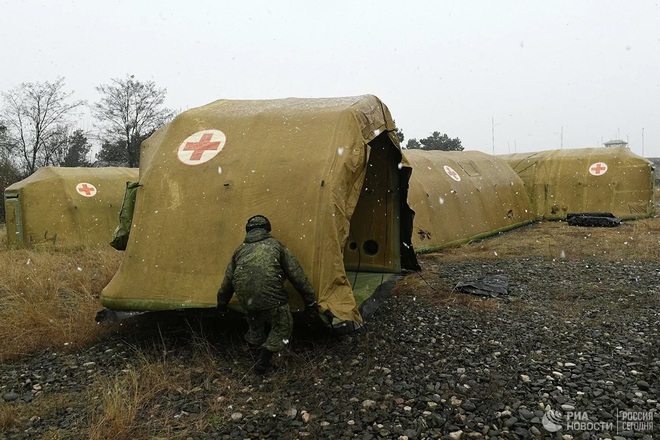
312	311
222	309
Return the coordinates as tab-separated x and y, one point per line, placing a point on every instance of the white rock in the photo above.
455	401
456	435
237	416
368	404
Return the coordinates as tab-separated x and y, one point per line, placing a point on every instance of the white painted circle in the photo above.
201	147
598	169
86	189
451	173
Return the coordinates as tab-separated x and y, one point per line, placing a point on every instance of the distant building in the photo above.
616	143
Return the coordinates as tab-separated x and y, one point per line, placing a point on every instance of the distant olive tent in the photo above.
65	207
463	195
328	173
560	182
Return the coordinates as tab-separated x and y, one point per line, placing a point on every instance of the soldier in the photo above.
256	273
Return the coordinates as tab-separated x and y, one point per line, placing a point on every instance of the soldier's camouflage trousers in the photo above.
279	320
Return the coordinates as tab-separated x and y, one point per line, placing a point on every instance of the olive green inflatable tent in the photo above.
463	195
328	173
560	182
65	207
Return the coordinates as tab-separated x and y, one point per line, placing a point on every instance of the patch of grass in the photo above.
142	398
8	416
418	284
121	397
48	299
43	408
632	240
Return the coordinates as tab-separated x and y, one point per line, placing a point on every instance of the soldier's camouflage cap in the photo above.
257	221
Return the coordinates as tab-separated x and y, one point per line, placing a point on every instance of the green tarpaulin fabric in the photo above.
123	230
613	180
66	207
462	195
328	173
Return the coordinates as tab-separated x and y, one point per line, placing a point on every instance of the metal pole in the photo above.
492	121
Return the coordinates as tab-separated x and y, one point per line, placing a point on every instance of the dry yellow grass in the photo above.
637	240
49	299
632	240
8	416
129	402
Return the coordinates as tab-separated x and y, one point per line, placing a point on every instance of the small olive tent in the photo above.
560	182
463	195
65	207
328	173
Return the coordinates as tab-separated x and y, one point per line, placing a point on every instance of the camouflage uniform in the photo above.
256	273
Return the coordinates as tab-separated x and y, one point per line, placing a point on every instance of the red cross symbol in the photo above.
201	147
451	173
598	168
86	189
198	148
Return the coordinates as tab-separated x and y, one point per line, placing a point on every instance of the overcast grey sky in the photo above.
530	70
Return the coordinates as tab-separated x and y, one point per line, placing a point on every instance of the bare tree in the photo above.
128	112
36	116
5	142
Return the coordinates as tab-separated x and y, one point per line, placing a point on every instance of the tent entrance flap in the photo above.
374	236
14	221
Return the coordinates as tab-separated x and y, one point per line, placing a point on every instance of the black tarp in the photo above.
593	219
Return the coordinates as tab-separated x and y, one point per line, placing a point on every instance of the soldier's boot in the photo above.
263	364
254	350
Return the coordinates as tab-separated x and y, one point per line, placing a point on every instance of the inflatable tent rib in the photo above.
328	173
560	182
463	195
65	207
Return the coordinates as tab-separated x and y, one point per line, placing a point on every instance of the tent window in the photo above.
470	168
370	247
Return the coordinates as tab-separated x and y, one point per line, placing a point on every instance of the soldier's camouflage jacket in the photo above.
257	272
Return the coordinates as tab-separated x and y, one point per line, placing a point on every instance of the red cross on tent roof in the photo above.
88	190
198	148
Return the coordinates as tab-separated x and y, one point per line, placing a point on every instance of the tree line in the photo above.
37	123
38	126
436	141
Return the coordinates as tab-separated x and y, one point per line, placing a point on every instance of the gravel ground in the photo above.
576	337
